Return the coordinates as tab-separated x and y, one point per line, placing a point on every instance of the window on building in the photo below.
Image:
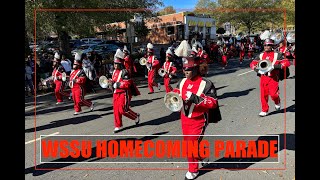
170	30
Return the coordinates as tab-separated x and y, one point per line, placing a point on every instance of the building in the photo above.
167	28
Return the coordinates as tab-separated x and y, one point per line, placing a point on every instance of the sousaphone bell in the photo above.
173	101
264	66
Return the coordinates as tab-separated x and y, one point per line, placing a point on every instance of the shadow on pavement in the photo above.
74	120
235	94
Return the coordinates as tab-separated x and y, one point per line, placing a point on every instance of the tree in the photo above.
81	23
205	7
167	10
249	19
140	28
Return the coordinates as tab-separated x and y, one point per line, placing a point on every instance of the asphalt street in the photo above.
239	100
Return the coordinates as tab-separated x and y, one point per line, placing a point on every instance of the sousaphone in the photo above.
264	66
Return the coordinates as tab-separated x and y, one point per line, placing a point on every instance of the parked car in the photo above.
107	50
92	40
85	48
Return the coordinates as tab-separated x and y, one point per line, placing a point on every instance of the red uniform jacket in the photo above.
206	102
128	62
126	84
154	62
169	68
57	73
80	78
275	58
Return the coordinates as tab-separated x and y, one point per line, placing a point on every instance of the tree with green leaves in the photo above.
167	10
246	13
205	7
79	22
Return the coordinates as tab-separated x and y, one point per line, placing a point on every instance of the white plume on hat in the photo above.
56	55
119	54
183	50
169	51
126	49
150	46
77	56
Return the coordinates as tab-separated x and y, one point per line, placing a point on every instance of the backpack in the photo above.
281	73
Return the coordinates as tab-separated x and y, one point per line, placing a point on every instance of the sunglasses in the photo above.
187	68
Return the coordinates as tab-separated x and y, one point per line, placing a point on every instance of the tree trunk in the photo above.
64	43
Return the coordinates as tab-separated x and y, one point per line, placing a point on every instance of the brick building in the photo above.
167	28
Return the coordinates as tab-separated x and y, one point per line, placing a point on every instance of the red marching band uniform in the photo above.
77	85
250	50
200	107
123	89
269	82
242	51
128	63
169	68
224	55
154	66
57	79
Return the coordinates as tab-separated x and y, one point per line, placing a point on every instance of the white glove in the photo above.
189	93
115	85
170	76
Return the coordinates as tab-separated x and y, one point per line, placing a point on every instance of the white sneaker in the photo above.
278	106
137	120
159	86
262	114
190	175
76	113
116	130
92	106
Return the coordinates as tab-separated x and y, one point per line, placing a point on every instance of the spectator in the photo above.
66	63
28	78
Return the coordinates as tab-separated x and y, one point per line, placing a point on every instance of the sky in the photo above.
180	5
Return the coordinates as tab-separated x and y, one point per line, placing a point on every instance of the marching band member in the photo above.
224	55
250	50
153	67
57	79
128	63
269	82
200	107
200	103
122	93
169	68
242	51
77	82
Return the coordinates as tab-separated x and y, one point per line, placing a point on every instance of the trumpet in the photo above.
264	66
104	82
173	101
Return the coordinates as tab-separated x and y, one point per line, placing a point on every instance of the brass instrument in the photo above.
173	101
105	82
162	72
264	66
277	37
143	61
